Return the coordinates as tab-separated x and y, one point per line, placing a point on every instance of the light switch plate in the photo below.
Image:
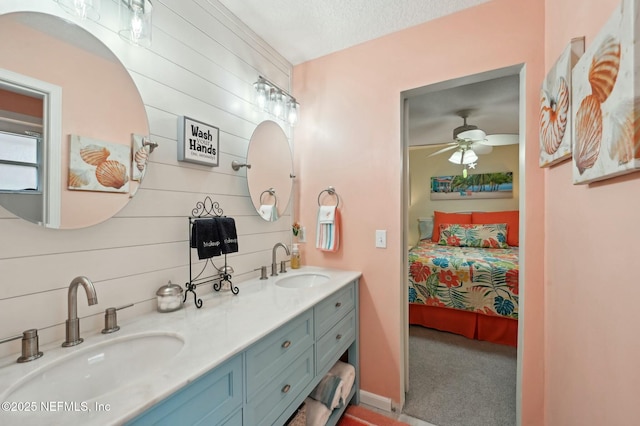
381	238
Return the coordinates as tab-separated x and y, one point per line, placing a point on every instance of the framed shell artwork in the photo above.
98	166
555	106
605	101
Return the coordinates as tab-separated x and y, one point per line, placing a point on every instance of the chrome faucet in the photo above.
73	323
274	264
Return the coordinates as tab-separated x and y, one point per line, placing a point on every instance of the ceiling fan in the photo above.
468	141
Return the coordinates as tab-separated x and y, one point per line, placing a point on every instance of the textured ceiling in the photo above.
301	30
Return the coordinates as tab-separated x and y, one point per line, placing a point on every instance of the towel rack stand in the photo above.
331	191
204	209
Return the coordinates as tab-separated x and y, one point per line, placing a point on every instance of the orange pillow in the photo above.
510	217
442	218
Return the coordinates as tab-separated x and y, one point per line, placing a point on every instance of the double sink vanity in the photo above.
248	359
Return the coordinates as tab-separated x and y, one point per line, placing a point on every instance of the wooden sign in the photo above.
198	142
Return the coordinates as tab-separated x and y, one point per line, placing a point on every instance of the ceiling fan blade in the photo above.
472	135
481	148
435	145
449	148
502	139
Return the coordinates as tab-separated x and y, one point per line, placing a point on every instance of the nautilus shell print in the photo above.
112	174
140	158
554	110
555	106
588	133
604	68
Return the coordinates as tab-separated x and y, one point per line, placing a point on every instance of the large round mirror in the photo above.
270	176
72	124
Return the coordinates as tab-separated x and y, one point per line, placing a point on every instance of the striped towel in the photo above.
328	228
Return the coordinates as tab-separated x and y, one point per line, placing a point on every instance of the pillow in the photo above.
469	235
425	227
510	217
440	218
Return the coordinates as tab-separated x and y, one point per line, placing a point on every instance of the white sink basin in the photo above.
90	372
304	280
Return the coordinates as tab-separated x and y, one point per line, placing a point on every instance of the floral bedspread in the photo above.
483	280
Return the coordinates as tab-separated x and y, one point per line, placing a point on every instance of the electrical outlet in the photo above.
381	238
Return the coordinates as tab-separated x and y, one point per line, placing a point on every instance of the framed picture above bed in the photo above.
485	185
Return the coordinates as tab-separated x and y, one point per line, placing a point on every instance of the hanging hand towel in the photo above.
268	212
228	234
205	237
328	228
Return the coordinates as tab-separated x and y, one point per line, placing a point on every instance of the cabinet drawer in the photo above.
276	396
268	357
210	398
330	346
331	310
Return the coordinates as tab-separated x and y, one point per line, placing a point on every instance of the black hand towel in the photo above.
228	234
206	237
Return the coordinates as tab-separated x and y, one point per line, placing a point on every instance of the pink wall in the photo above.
349	137
591	252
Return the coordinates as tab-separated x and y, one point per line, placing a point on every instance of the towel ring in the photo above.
271	192
332	191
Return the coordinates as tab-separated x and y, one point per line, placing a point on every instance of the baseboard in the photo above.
374	400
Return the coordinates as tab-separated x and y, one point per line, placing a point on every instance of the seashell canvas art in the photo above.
98	166
140	156
555	106
605	99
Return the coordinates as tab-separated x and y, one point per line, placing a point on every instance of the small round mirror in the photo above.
270	176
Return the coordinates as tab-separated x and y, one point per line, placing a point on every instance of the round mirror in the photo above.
73	126
269	178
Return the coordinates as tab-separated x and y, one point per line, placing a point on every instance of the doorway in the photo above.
435	90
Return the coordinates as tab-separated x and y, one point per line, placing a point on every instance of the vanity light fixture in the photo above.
84	9
135	21
272	99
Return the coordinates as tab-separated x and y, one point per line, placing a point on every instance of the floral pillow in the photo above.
469	235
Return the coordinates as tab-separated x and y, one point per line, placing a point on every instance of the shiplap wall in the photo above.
202	64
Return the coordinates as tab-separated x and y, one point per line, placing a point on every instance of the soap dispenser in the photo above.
295	256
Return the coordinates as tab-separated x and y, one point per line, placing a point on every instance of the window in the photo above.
20	162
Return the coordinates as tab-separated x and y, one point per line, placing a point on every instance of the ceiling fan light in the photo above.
469	156
456	157
472	135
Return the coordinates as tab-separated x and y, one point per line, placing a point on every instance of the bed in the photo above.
467	287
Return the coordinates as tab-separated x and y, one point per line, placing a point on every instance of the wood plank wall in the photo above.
202	64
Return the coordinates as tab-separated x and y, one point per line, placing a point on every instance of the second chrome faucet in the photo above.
73	322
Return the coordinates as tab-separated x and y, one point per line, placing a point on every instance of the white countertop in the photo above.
224	326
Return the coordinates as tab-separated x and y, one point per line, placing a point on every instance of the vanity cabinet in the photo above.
267	382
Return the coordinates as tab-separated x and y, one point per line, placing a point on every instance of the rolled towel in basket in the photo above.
317	413
347	373
329	391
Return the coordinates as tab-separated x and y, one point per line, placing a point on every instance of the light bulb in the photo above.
293	112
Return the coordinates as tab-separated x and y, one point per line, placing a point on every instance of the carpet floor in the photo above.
455	381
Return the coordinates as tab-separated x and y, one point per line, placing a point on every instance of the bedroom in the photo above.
455	290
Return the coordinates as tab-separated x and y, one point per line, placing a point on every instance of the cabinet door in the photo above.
212	397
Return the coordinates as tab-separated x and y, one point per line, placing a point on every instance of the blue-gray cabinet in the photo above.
265	384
